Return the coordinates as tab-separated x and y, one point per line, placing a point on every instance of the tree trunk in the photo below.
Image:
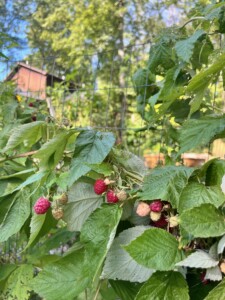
121	73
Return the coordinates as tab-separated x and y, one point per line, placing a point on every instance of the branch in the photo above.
18	156
191	20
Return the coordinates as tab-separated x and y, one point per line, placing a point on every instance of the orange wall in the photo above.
31	81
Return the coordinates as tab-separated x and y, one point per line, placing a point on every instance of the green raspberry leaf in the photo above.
70	275
203	221
164	285
166	183
196	194
218	292
91	147
155	249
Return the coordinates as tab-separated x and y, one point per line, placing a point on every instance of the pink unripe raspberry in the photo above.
222	267
143	209
100	187
111	197
156	206
41	206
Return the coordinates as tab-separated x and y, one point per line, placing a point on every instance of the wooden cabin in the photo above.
31	82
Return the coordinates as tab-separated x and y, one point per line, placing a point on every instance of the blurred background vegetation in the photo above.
97	46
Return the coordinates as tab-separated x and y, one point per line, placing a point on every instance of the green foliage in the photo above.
91	147
82	202
19	210
125	289
206	221
17	286
195	194
149	250
166	183
51	152
200	132
217	293
164	285
57	281
185	48
27	135
119	265
98	249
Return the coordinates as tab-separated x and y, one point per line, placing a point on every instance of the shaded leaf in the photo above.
170	91
198	259
130	161
125	290
36	224
213	274
221	245
119	264
160	54
215	172
6	270
19	211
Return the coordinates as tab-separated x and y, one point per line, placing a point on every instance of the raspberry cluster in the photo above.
156	210
43	204
113	195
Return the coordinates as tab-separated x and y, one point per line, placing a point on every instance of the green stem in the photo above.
191	20
97	291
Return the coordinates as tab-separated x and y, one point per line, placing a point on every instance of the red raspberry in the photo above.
111	197
156	206
100	187
41	206
31	104
162	222
33	118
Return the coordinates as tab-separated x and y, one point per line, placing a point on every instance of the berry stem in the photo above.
97	291
18	156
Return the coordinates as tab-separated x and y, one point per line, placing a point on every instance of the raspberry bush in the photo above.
129	232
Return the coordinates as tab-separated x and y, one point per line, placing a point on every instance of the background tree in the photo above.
65	34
